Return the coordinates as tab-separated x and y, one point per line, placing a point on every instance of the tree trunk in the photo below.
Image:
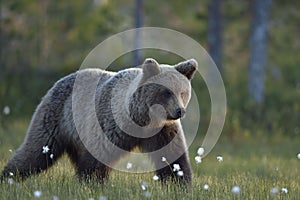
43	39
139	15
215	32
258	50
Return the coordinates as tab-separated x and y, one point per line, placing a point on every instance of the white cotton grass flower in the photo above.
37	193
101	197
129	165
147	194
144	185
46	149
55	197
284	190
163	159
155	177
11	174
274	190
206	187
6	110
10	150
236	190
219	158
200	151
51	156
10	181
298	156
180	173
176	167
198	159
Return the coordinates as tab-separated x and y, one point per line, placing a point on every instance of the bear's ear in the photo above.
187	68
150	68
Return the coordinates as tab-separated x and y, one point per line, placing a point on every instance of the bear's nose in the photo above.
180	112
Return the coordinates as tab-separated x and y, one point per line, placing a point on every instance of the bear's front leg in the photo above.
168	150
179	170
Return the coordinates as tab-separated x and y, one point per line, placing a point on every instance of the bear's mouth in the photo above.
174	118
179	113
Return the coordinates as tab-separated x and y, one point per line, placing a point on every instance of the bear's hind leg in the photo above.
32	158
89	168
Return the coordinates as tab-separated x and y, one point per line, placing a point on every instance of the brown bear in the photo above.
134	108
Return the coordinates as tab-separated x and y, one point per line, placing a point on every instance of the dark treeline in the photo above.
254	43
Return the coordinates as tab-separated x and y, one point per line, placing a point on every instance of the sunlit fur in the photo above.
137	89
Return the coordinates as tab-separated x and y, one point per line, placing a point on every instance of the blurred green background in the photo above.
41	41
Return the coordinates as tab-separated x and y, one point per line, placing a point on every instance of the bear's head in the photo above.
163	91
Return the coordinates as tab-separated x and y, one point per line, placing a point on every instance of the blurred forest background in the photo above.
254	43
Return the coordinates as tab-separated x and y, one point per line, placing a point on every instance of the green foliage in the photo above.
43	41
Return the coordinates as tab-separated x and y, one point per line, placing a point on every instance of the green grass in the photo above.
255	164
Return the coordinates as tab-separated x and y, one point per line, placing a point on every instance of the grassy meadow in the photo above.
258	165
42	41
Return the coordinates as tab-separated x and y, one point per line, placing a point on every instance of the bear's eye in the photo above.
167	93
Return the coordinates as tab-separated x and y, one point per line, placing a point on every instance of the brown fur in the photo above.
53	121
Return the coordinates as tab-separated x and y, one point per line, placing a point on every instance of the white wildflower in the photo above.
298	156
176	167
284	190
219	158
198	159
37	193
144	185
180	173
102	197
163	159
155	177
46	149
206	187
11	174
200	151
51	156
55	197
274	190
10	181
129	165
147	194
236	190
10	150
6	110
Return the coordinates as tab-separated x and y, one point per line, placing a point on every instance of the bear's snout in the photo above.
180	112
